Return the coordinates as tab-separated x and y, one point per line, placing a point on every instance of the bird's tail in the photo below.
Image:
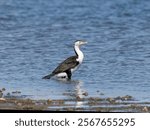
48	76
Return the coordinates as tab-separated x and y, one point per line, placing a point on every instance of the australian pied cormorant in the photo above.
68	66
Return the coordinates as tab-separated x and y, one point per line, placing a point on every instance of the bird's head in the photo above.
80	42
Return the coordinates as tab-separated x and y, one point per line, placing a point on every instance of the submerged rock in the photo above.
3	89
16	92
111	100
85	94
124	98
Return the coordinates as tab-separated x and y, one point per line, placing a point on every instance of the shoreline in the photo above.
125	103
117	104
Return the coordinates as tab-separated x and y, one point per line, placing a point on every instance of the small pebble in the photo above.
145	109
8	94
19	104
85	94
3	89
111	100
2	99
97	91
101	93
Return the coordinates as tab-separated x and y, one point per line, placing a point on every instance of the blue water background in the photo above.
36	35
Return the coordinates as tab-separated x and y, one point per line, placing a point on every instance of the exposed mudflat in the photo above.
117	104
14	101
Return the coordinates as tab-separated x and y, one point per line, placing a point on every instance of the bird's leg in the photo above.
69	74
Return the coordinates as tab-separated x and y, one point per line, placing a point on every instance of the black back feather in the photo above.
66	65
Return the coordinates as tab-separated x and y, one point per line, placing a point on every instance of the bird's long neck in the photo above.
78	53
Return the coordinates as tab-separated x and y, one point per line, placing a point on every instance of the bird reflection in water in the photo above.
80	93
75	93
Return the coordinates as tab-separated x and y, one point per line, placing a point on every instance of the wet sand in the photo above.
118	104
111	104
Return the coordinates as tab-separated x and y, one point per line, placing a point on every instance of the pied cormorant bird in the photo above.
68	66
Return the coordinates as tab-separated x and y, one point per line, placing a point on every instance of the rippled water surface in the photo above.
36	35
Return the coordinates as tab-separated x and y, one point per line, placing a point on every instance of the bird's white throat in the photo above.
79	53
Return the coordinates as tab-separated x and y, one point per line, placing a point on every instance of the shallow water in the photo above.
36	35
